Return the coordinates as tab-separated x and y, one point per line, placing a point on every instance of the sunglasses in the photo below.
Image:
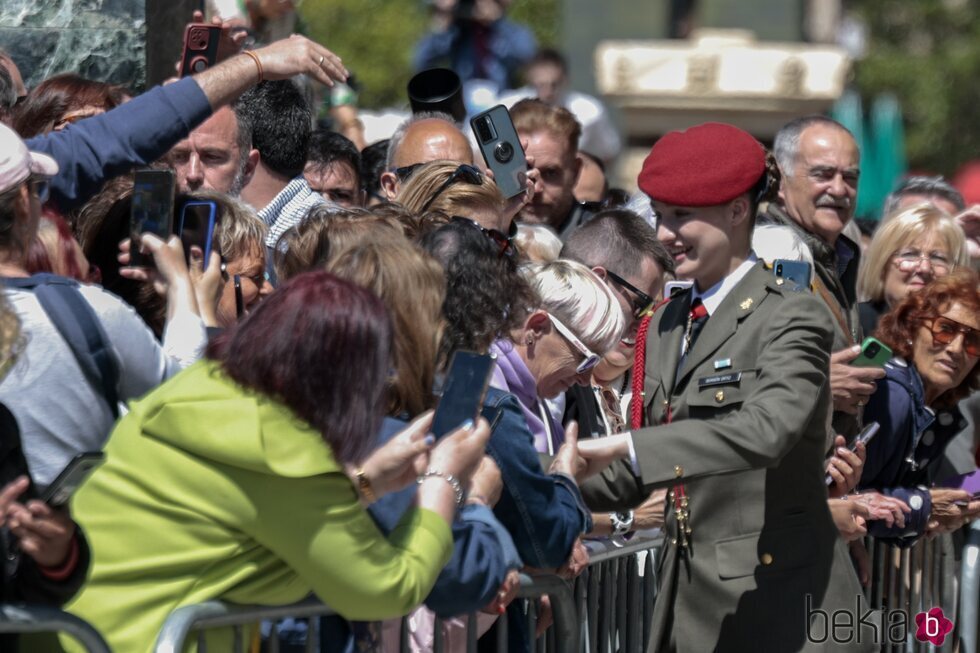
504	243
465	173
945	330
405	172
591	359
641	301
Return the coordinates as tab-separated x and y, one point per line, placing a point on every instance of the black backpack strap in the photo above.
78	324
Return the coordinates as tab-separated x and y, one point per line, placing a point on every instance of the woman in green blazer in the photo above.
244	478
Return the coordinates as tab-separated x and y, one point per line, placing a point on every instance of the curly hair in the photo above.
486	296
899	327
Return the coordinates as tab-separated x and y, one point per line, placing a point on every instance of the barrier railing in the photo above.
25	619
969	614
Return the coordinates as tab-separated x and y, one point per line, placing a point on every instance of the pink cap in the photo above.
17	163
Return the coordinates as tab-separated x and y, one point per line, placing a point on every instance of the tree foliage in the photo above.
927	52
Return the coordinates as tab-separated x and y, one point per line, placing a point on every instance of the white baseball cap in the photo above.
17	163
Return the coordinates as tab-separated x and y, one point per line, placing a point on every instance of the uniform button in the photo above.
915	502
678	471
780	281
945	418
720	396
666	402
766	559
928	438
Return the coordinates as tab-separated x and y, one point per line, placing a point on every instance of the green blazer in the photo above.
213	492
747	440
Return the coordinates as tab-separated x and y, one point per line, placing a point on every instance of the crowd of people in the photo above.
265	411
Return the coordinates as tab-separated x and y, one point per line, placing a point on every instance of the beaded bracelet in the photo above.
449	478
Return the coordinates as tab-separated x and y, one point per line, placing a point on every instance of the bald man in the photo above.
422	138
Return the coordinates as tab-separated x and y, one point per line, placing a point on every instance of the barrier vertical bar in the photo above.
634	627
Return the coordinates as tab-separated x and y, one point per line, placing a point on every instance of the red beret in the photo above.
705	165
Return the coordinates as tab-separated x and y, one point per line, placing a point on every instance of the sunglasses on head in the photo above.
945	330
504	243
590	358
641	301
405	172
465	173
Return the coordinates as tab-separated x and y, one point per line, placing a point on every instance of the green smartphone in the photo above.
874	353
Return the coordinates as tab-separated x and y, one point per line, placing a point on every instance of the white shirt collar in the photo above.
715	295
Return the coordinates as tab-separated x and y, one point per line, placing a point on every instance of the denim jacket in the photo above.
901	457
544	513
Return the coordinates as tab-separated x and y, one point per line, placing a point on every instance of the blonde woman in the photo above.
907	252
456	190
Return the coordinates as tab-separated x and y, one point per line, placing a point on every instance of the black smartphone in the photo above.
799	272
196	227
874	353
200	48
463	391
501	149
71	477
864	437
582	212
152	210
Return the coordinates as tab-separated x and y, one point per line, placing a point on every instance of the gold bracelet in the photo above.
258	63
364	486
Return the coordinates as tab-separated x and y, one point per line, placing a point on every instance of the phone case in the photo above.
501	149
201	238
151	211
200	48
799	272
874	353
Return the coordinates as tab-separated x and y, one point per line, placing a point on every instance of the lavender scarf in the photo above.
511	375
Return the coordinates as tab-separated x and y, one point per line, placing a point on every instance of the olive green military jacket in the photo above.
747	440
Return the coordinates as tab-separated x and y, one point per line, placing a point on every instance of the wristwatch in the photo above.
622	522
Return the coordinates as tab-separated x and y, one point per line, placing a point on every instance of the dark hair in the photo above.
618	240
320	346
49	101
8	94
373	159
899	327
280	122
548	56
327	147
921	185
486	296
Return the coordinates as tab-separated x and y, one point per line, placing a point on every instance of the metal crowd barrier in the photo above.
600	611
969	614
25	619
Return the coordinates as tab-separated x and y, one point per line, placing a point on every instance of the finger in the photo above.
860	510
835	473
845	355
849	457
571	435
840	441
39	509
13	490
137	274
420	424
869	373
197	16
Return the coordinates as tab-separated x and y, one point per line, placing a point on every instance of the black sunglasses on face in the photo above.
465	173
641	301
504	243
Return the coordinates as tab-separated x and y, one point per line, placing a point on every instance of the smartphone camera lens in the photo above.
872	350
198	39
503	152
484	128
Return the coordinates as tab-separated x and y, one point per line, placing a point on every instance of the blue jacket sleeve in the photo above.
133	134
920	501
544	513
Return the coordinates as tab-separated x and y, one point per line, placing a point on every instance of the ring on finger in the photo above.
320	62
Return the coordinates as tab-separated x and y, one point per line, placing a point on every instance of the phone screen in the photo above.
463	391
152	208
197	221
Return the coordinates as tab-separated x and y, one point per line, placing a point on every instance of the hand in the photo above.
233	34
461	452
402	459
650	513
850	518
208	284
168	258
862	562
576	563
516	204
881	508
845	467
546	616
567	460
487	482
505	594
298	55
969	220
851	386
42	533
947	516
599	453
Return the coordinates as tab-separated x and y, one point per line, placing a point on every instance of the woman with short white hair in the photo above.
577	321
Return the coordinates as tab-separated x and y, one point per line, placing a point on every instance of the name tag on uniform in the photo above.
719	379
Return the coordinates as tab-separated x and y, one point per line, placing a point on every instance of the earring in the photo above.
529	340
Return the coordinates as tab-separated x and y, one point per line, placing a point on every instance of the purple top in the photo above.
512	375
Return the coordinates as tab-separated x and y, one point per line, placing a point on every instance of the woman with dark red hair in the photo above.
245	478
935	335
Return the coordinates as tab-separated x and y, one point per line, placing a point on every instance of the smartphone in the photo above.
200	48
71	477
463	391
152	210
196	227
501	149
963	504
800	272
864	437
874	353
671	288
582	212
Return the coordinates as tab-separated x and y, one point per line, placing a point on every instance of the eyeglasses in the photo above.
40	186
405	172
909	260
642	302
945	330
466	173
504	243
591	358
